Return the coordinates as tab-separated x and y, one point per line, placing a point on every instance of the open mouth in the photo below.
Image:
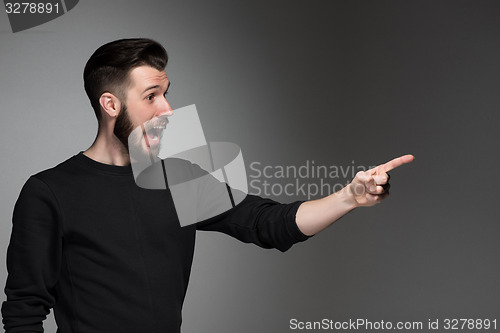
153	131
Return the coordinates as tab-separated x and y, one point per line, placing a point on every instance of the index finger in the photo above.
392	164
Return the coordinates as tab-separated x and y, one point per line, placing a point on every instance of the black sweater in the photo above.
109	256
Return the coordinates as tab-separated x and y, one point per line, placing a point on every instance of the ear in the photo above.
110	104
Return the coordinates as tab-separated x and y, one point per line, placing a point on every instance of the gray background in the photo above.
290	81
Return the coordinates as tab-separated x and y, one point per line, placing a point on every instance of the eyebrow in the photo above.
155	87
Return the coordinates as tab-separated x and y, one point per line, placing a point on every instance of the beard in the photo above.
135	140
123	127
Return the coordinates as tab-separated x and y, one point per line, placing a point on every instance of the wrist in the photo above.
348	196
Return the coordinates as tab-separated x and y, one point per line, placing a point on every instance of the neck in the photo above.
108	149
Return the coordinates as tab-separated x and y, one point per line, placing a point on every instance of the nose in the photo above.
166	109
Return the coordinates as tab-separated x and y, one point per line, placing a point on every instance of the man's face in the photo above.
145	109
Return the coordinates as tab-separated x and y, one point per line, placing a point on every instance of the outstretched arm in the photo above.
366	189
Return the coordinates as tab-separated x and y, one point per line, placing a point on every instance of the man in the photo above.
110	256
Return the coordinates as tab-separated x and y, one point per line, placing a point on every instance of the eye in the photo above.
150	97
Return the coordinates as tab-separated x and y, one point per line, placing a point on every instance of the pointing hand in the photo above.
372	186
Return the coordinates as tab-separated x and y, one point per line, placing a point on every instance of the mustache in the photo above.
156	124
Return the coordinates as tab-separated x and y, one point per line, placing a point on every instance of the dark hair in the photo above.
108	68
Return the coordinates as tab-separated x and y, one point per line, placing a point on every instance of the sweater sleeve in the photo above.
33	259
264	222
